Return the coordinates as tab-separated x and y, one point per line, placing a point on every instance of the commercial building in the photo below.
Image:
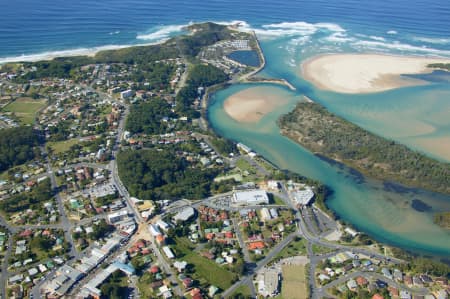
126	94
269	283
265	214
250	198
117	216
184	215
154	230
303	197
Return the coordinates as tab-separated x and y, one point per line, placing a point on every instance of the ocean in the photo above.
290	32
30	27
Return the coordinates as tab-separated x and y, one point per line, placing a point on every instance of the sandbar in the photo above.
250	105
365	73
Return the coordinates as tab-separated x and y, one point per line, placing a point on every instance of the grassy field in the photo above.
244	165
317	249
144	286
205	271
25	109
276	200
62	146
293	249
294	282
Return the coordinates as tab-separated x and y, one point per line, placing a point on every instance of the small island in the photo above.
324	133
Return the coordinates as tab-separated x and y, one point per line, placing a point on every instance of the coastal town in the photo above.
86	215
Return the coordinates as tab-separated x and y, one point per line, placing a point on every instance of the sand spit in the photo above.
365	73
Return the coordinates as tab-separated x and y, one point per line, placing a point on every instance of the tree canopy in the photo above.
17	146
327	134
161	174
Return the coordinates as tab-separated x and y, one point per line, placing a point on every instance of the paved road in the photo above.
65	223
139	220
5	275
241	240
321	291
248	278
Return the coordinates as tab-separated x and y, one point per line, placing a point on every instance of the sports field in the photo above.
25	109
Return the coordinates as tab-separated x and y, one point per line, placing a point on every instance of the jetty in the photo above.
251	76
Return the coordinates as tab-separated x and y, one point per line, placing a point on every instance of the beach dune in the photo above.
365	73
250	105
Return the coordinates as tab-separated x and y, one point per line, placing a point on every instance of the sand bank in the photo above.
250	105
438	146
365	73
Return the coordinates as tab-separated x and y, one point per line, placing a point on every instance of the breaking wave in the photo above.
161	32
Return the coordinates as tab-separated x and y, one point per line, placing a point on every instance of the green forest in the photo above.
322	132
17	146
160	174
145	117
200	75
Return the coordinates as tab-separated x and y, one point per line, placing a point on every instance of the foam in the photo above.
65	53
377	38
296	29
161	33
392	32
431	40
339	37
401	47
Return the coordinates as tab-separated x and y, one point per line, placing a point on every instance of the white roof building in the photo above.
265	214
184	215
163	225
250	197
303	197
154	230
168	252
117	216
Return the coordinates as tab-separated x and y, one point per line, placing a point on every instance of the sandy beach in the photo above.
68	53
250	105
365	73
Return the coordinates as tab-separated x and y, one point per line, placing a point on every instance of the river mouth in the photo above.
388	212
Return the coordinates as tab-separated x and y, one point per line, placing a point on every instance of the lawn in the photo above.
296	247
276	200
25	109
62	146
244	165
204	269
294	282
143	284
317	249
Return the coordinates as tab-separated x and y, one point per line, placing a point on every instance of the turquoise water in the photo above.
386	215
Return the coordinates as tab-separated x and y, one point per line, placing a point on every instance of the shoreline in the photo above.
365	73
252	78
297	126
90	52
